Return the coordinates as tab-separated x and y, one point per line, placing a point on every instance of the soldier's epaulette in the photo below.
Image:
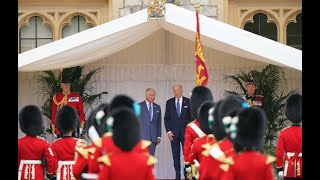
104	159
206	147
270	159
151	160
81	148
97	142
225	167
145	144
191	123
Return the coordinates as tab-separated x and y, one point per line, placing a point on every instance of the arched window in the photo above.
261	27
34	35
294	33
78	24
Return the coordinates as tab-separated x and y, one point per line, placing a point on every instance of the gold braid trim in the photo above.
62	102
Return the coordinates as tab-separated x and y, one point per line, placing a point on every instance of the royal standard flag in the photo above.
202	73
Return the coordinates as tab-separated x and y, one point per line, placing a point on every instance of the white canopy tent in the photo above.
106	39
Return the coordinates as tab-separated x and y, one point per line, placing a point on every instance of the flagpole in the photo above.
201	70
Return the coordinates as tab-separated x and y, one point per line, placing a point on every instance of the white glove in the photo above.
80	131
188	169
280	174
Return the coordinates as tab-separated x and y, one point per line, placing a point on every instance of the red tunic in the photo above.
250	165
34	148
64	150
189	136
210	167
85	158
196	148
138	166
289	151
87	155
73	99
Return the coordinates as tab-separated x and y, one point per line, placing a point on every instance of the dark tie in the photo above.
150	111
178	108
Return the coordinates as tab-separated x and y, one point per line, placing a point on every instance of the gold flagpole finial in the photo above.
197	5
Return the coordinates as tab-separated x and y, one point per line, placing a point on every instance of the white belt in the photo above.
289	154
196	129
23	162
61	163
89	176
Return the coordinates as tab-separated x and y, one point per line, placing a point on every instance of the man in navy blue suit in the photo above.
176	118
150	120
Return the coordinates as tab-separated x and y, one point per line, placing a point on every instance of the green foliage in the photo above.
49	85
268	81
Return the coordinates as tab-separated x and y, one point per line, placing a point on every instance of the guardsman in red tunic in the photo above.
64	147
32	148
199	95
206	121
252	98
66	97
222	151
126	135
86	156
250	163
289	147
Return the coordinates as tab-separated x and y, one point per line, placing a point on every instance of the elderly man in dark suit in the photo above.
150	120
176	118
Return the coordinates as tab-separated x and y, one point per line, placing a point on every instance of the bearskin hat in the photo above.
67	119
124	100
250	131
199	95
293	108
66	75
125	128
228	106
204	116
30	120
97	117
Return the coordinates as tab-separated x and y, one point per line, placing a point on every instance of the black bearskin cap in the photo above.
120	101
66	75
228	106
30	120
250	129
293	108
204	116
125	101
199	95
67	119
125	128
97	117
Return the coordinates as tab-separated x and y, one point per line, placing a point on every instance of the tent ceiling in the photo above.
106	39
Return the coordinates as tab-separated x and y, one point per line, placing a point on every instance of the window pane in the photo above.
294	33
261	27
41	42
69	30
78	24
27	44
43	30
30	30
